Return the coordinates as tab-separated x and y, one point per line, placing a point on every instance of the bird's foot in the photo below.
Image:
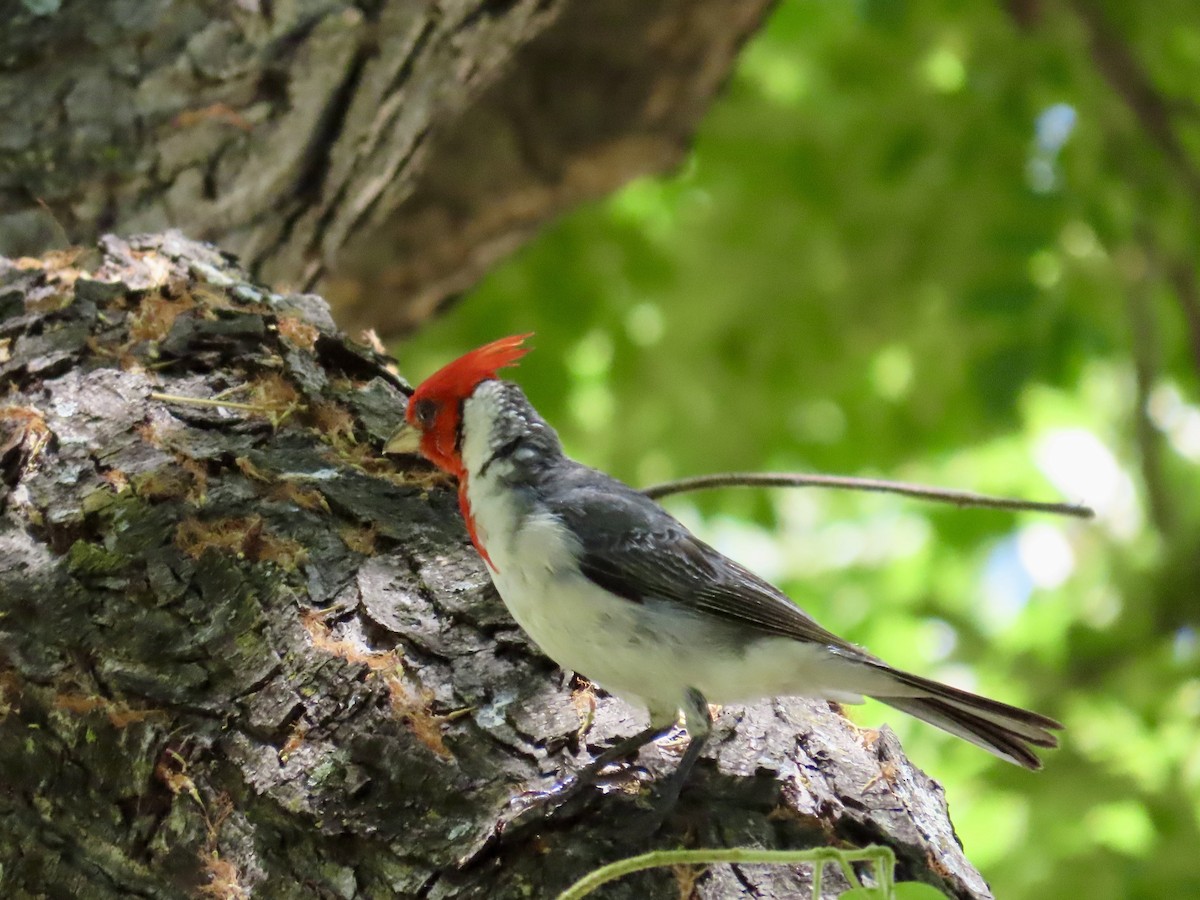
563	790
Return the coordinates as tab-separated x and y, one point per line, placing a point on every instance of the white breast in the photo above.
580	626
643	652
537	576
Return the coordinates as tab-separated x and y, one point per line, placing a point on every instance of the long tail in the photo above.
1007	731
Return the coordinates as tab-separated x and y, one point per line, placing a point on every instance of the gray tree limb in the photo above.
407	145
244	655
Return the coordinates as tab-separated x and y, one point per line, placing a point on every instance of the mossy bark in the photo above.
244	654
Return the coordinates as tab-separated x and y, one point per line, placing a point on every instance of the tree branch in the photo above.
846	482
1132	83
243	653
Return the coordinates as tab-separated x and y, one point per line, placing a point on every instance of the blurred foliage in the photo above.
942	242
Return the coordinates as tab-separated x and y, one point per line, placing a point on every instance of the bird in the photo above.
611	586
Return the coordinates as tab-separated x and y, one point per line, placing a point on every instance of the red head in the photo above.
435	407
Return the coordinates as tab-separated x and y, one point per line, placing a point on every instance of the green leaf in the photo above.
863	893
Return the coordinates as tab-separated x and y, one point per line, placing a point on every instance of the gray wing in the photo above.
636	550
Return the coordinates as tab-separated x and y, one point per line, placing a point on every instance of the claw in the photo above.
564	789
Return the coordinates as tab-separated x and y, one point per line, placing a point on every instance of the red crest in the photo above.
458	379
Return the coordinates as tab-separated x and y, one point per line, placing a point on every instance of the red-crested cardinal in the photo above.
611	586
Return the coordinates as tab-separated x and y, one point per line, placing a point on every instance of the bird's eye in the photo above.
424	411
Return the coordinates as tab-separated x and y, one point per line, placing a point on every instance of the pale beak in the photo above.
405	439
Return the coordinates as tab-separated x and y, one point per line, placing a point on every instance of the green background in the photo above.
949	243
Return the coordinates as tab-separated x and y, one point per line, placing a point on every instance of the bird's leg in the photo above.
563	790
697	719
566	788
627	747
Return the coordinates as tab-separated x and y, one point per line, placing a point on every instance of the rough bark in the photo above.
243	654
294	130
611	90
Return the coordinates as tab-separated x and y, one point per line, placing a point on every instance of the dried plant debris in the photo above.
244	536
298	332
24	435
410	705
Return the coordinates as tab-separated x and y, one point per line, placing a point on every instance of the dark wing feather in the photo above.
633	548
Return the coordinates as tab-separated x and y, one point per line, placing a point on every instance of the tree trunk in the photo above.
412	143
243	654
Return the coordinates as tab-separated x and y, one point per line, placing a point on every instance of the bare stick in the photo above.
205	401
883	858
845	482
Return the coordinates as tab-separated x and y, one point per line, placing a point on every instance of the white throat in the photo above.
479	416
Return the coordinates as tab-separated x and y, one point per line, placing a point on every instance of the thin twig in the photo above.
62	232
846	482
819	856
205	401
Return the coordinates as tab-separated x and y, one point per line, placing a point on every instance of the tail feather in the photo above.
1007	731
1006	744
